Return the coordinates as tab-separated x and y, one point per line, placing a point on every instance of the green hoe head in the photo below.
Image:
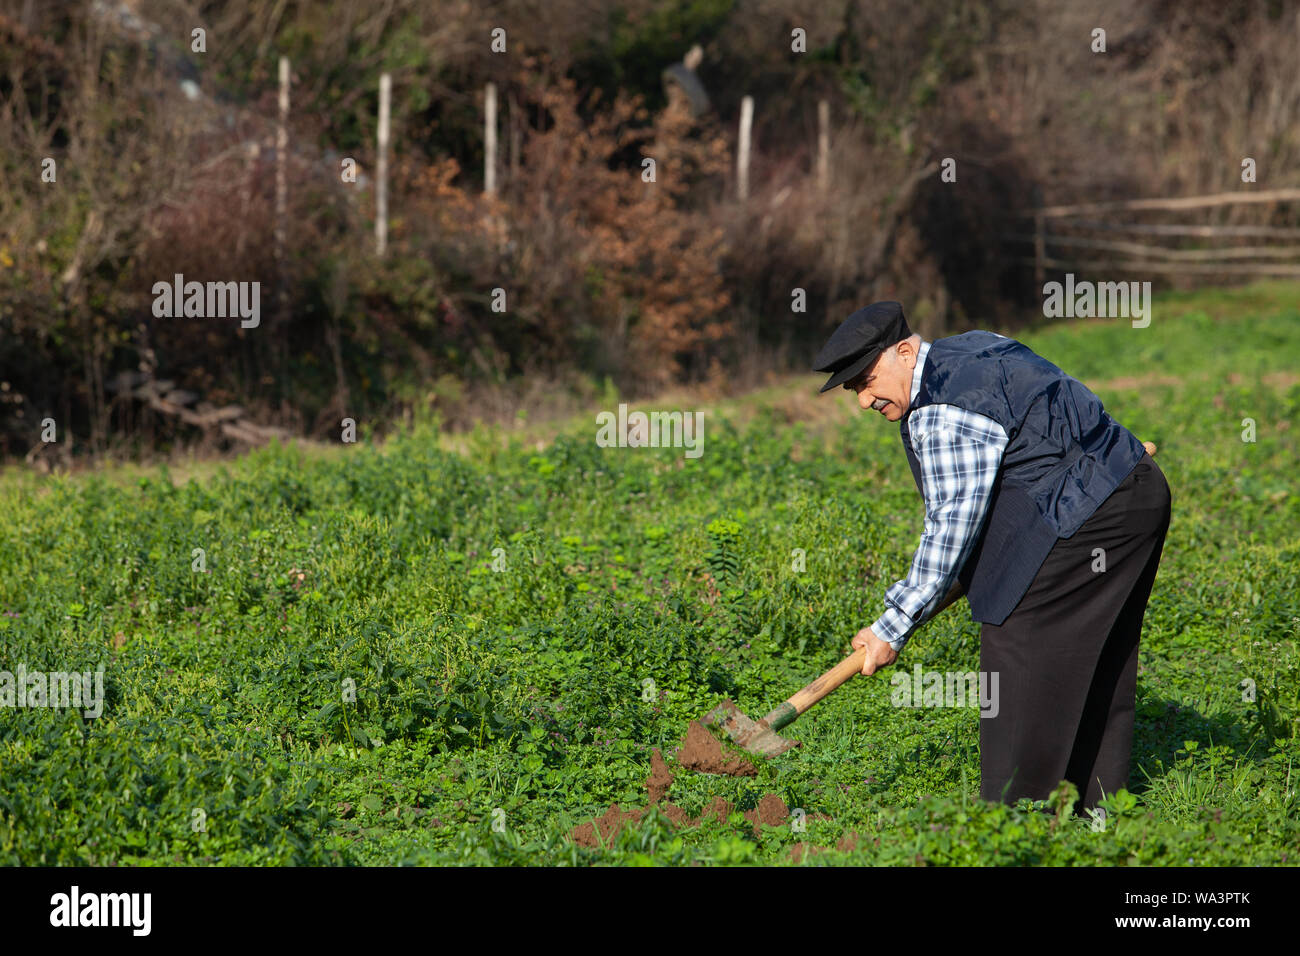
752	735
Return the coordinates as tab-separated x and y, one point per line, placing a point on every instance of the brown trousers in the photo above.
1067	655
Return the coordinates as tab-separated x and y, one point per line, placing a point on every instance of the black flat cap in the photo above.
859	340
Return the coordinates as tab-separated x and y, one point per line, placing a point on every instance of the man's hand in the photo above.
879	653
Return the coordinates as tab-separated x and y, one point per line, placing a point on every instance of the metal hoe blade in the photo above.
752	735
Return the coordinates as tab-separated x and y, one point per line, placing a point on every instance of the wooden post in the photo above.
282	189
490	140
823	145
381	167
246	192
1040	248
516	136
742	156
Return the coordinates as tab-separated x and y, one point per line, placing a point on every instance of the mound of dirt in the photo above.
607	826
846	844
703	752
799	849
771	809
660	779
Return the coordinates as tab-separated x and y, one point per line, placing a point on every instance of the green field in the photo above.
495	709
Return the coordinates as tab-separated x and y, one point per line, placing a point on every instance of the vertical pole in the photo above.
381	169
490	140
282	188
246	193
516	120
823	145
1040	248
742	157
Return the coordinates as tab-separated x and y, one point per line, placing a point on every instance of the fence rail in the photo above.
1056	227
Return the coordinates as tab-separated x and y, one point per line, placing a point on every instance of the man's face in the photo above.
886	386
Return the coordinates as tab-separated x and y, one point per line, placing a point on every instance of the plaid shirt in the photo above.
960	454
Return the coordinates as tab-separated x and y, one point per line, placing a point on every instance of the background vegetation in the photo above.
614	286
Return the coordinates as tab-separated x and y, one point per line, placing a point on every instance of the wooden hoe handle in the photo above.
837	675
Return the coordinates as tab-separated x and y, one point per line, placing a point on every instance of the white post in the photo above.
381	169
282	185
490	140
823	145
742	157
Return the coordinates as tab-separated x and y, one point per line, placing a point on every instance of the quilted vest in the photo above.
1063	457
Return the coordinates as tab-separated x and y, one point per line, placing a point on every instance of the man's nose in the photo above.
864	400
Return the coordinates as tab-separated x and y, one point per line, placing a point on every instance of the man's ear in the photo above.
914	347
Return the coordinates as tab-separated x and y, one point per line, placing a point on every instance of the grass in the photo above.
420	653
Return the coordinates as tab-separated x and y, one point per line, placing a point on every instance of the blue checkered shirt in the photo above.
959	453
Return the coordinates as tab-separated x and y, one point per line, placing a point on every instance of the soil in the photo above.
703	752
608	826
695	754
847	844
660	779
771	810
799	849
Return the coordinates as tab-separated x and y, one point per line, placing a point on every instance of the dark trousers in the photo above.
1067	655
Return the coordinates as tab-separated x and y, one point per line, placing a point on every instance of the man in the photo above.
1046	513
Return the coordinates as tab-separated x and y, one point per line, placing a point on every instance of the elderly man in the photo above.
1046	513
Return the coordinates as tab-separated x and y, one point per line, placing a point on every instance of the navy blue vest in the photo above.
1064	456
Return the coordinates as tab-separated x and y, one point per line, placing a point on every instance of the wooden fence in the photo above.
1059	229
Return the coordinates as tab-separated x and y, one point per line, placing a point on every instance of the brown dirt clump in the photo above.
677	815
799	849
660	779
771	809
608	826
847	844
718	809
703	752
